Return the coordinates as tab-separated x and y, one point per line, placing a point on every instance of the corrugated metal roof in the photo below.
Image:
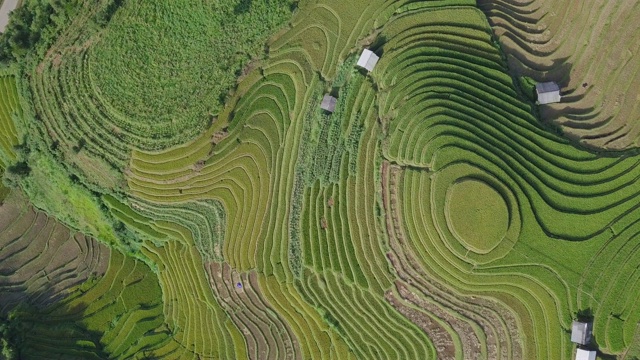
328	103
548	92
582	354
581	332
547	87
368	60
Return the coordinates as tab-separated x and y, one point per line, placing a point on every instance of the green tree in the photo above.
9	336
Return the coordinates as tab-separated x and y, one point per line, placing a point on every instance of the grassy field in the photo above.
477	214
431	215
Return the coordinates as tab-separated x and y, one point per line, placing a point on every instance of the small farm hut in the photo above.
368	60
548	92
581	332
582	354
328	103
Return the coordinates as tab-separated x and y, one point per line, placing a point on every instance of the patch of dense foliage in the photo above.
167	66
17	340
7	338
131	47
34	27
10	338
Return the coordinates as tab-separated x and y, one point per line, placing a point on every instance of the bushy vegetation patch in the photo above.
166	66
33	28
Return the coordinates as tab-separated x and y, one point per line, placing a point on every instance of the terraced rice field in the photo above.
431	215
564	41
75	298
477	215
41	259
9	108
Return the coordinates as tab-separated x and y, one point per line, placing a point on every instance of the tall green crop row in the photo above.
318	157
9	109
9	137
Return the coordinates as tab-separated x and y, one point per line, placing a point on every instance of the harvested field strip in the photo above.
296	195
539	168
561	41
189	306
317	340
439	122
410	271
267	336
538	301
41	259
160	188
343	306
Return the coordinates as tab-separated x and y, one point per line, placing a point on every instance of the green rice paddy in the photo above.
431	215
477	214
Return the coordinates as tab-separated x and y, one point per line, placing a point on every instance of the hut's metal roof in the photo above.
581	332
548	92
328	103
582	354
368	60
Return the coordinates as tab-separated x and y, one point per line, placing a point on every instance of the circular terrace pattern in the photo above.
476	214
